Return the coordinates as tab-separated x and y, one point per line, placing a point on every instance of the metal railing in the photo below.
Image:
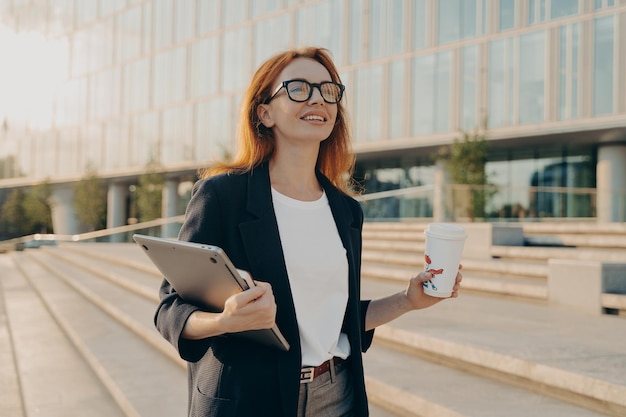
450	203
158	227
455	202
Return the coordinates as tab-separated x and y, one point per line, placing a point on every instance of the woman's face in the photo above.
300	123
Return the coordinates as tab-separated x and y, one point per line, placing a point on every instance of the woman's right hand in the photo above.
252	309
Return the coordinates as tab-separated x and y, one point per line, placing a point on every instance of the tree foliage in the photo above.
90	201
465	162
149	193
37	208
26	212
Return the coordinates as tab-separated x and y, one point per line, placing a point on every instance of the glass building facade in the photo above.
112	85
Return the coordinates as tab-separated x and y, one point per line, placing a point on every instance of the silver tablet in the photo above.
203	275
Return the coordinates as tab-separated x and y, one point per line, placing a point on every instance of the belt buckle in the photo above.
306	378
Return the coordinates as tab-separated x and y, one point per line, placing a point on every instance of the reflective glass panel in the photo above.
386	28
208	17
422	95
507	15
568	71
144	139
456	20
184	13
235	11
321	24
469	89
110	6
260	7
532	77
213	130
235	64
419	24
204	70
269	37
128	35
562	8
369	84
397	94
443	74
116	144
603	61
355	31
163	11
177	137
136	94
61	16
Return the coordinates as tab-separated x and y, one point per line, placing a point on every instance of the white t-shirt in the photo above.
318	274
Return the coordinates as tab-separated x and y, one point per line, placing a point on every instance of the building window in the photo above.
603	61
563	8
386	31
423	94
128	35
261	7
419	24
507	15
356	12
208	16
397	95
204	73
269	37
368	109
184	12
501	82
214	130
177	136
469	87
235	11
235	63
537	11
163	22
532	77
456	20
569	44
321	25
431	93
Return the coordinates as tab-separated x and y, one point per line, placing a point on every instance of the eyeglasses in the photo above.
302	90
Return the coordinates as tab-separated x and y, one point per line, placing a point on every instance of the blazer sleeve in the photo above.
173	312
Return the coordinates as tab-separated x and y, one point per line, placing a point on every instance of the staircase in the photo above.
78	339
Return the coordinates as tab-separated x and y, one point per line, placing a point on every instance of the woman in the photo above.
282	212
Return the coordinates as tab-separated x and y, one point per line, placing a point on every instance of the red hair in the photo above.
256	143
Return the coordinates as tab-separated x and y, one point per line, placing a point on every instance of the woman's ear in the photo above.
264	116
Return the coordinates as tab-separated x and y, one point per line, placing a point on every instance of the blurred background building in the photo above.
115	86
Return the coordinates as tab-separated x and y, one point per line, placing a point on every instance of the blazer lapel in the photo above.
264	251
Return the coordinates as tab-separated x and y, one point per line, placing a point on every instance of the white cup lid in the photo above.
446	231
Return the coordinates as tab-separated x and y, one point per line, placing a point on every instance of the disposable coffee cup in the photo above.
444	246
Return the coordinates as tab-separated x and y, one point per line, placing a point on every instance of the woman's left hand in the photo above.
415	290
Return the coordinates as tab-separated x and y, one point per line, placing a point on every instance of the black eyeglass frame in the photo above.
285	84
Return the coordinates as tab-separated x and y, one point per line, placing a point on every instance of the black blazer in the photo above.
229	376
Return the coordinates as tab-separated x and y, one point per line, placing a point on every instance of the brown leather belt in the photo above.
309	373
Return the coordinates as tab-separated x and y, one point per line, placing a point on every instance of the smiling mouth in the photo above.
314	118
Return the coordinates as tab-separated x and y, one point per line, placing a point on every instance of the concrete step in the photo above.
522	268
111	283
101	293
417	387
510	286
101	320
48	377
575	358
